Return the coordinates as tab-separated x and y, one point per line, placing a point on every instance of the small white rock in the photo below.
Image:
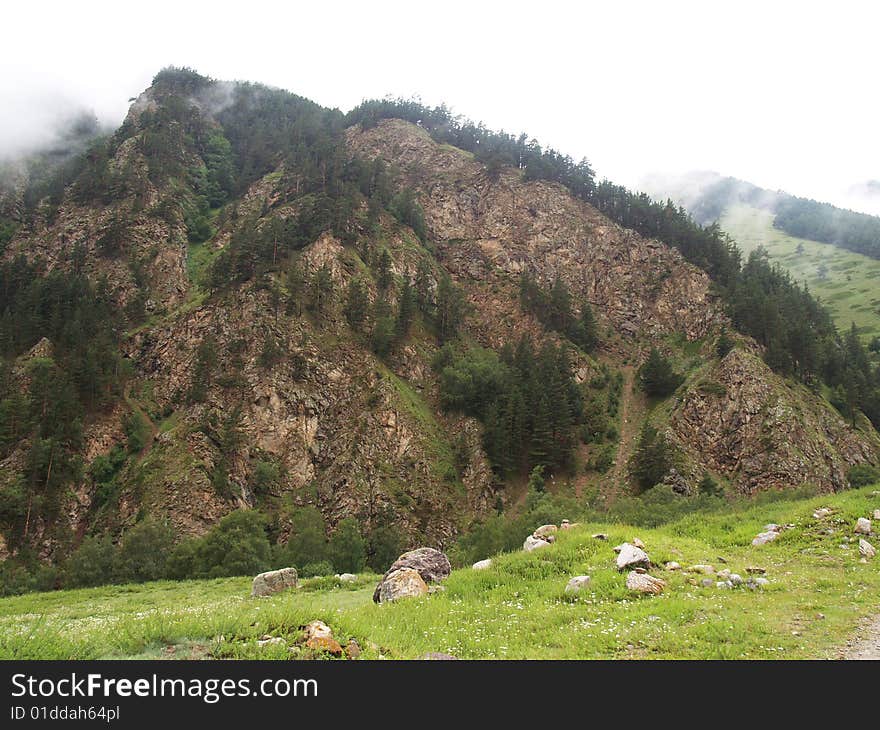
533	543
347	577
577	584
866	549
672	565
821	512
863	526
763	538
482	564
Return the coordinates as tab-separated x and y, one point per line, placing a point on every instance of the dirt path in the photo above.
630	408
866	647
154	429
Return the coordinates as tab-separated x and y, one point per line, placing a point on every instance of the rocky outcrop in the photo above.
489	229
764	432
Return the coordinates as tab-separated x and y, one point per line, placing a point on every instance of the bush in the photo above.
347	547
310	570
862	475
384	546
308	539
91	564
143	552
236	546
657	377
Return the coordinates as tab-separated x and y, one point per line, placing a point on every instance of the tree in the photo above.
143	552
384	274
657	377
653	458
406	306
356	303
236	546
91	564
450	309
321	289
308	538
347	547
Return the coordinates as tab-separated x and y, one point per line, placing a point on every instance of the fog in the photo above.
781	96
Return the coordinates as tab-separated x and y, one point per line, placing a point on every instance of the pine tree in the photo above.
657	377
356	303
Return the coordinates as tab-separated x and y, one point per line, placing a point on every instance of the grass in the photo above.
851	287
818	595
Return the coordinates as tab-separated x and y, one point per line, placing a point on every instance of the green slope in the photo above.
819	593
851	286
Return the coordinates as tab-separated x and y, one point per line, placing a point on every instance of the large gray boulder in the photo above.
432	565
402	583
631	556
266	584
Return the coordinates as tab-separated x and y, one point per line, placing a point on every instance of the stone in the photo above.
863	526
274	581
644	583
482	564
533	543
352	649
638	543
724	584
773	527
704	569
736	579
707	582
763	538
866	549
317	629
755	582
325	645
270	640
347	578
724	574
545	531
600	536
821	513
577	584
631	557
432	565
672	565
877	514
402	583
755	570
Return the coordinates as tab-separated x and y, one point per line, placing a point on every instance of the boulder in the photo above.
347	577
402	583
724	573
431	565
577	584
762	538
863	526
482	564
672	565
631	556
866	549
644	583
707	582
266	584
545	531
755	582
821	513
638	543
736	579
533	543
877	514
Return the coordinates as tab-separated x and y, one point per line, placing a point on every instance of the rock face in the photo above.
644	583
401	583
274	581
431	565
744	421
632	557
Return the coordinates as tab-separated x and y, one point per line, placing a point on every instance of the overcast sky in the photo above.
781	94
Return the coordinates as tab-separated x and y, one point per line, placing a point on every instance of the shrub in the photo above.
236	546
347	547
862	475
91	564
143	552
310	570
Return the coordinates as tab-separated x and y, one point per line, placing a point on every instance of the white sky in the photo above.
783	94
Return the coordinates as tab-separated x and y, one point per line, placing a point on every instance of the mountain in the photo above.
242	300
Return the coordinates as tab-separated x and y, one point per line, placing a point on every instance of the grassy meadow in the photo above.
850	287
819	595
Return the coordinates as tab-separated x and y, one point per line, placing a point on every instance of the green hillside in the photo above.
818	594
850	284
